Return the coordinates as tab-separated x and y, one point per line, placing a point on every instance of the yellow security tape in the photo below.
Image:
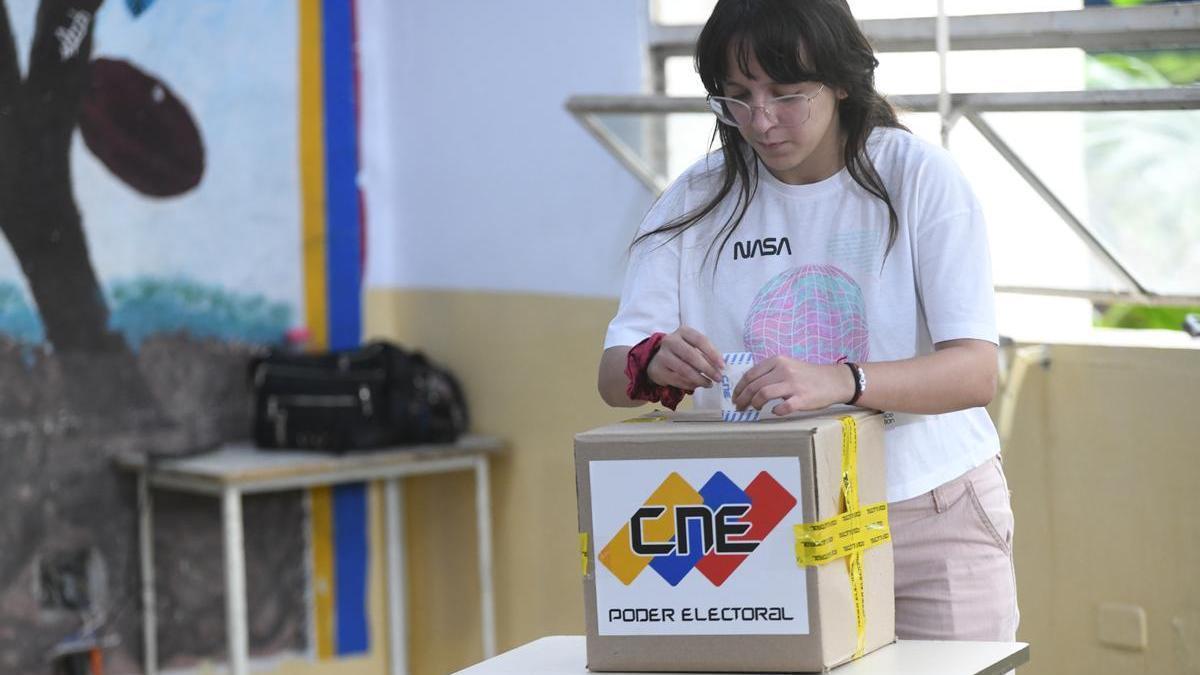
846	535
850	496
838	537
854	566
583	539
850	463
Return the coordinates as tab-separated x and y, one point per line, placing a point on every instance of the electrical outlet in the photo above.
1122	626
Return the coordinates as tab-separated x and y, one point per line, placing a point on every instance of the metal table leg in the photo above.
483	515
235	580
149	601
396	579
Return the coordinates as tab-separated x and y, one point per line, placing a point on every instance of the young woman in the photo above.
850	258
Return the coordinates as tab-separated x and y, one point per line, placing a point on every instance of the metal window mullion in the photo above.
1095	100
1101	296
623	154
942	39
656	126
1166	26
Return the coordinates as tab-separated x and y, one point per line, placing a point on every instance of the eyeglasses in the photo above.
786	111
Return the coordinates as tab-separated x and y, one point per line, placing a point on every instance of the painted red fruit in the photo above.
141	130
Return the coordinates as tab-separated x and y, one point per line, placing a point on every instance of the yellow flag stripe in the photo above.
321	518
312	174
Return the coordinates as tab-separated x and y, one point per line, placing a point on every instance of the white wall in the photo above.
476	175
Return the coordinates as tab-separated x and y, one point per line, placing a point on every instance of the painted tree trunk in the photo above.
38	213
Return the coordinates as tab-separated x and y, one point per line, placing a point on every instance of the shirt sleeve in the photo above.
650	294
953	262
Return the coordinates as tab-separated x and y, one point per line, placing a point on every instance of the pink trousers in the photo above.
954	567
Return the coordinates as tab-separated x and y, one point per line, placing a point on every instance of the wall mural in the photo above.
143	259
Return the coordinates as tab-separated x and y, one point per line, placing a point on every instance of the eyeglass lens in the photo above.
787	111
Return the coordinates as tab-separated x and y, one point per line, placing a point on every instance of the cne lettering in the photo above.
716	529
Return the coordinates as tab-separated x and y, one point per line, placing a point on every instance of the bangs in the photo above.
782	61
740	34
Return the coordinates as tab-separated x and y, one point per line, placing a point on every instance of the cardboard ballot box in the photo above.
714	546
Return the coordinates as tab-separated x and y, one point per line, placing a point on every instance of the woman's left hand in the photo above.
801	385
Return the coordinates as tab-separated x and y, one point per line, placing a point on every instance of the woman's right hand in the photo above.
687	360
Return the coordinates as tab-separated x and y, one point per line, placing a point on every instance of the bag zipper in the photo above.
277	413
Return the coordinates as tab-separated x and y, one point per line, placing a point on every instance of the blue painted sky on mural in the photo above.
235	66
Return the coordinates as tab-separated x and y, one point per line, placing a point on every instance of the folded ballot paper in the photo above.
720	396
736	365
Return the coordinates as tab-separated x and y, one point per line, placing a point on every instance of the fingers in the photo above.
667	368
779	379
788	407
715	362
686	359
761	392
769	393
690	354
748	386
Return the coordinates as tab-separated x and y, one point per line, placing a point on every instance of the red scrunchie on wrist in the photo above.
641	387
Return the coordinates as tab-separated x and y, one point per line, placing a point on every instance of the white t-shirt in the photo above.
804	275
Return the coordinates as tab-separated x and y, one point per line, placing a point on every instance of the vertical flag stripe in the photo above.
350	556
343	242
312	173
313	244
341	178
332	254
323	570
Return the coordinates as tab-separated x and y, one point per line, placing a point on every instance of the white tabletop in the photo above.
565	655
251	469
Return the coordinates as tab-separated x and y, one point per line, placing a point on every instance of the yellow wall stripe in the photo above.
323	571
312	173
313	254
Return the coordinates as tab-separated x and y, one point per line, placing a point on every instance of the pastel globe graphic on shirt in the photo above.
814	313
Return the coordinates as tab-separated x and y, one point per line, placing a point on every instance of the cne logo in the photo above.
713	529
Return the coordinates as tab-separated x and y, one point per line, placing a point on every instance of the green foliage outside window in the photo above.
1179	68
1143	316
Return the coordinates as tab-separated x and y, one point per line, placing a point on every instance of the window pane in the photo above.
680	12
896	9
1144	193
982	71
1144	188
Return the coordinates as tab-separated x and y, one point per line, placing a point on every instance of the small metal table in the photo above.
566	655
238	469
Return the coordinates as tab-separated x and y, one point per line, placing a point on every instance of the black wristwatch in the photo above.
860	382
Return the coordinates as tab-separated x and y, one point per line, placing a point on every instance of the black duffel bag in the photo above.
370	397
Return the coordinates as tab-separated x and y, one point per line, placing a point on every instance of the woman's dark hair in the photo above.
793	41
